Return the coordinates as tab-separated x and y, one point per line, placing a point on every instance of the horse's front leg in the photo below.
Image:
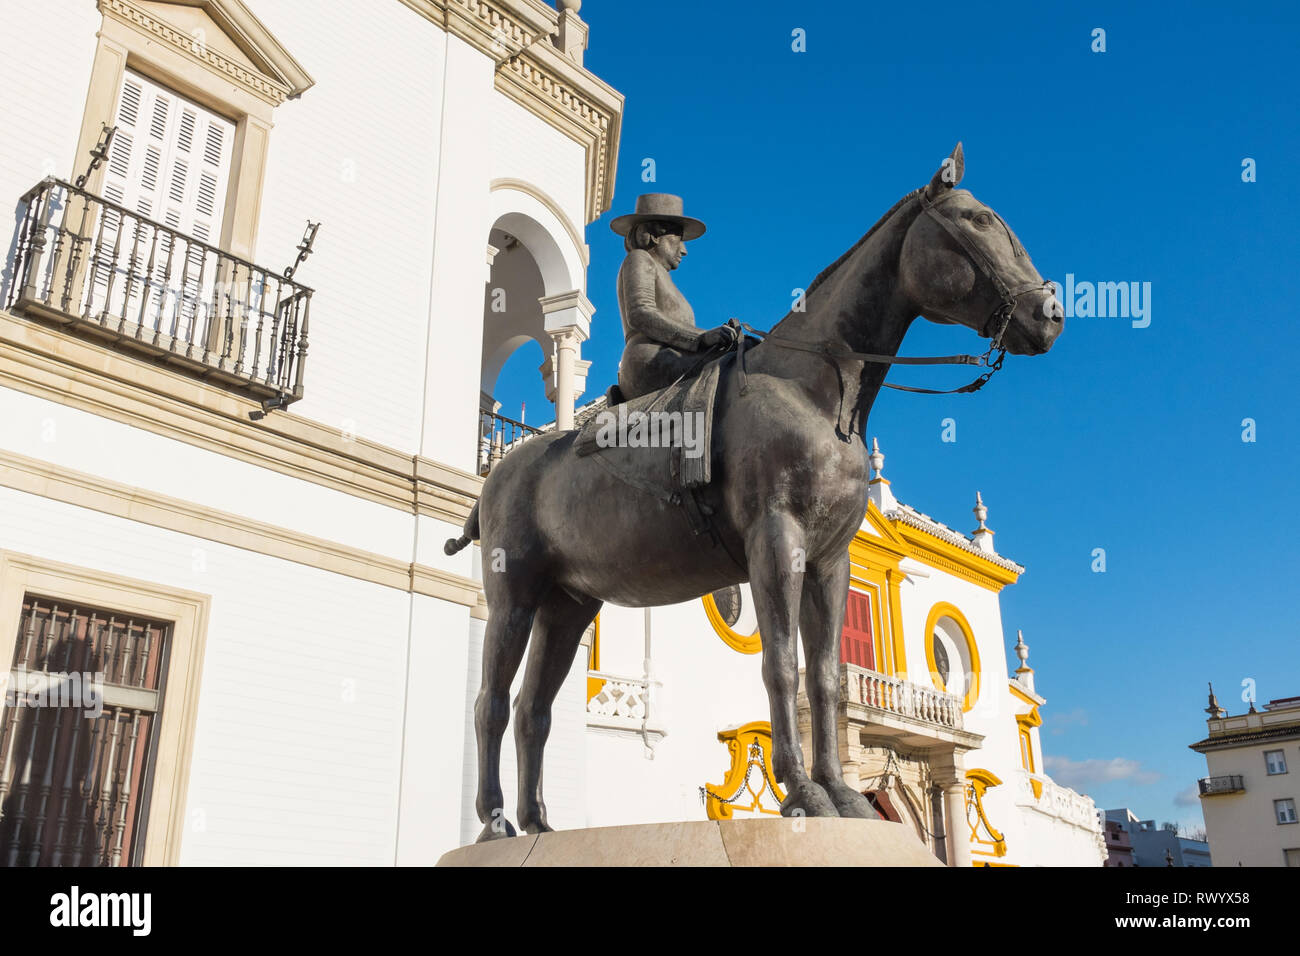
821	622
774	550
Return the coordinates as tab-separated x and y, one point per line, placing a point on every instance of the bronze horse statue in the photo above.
561	535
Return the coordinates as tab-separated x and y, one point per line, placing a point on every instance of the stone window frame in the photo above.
133	37
187	612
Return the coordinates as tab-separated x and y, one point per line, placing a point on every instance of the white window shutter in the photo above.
170	159
169	162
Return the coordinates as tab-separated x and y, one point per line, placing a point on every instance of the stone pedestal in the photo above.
777	841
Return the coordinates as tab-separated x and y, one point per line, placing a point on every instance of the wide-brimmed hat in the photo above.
659	207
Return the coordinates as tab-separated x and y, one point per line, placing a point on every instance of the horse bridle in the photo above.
1009	297
1001	315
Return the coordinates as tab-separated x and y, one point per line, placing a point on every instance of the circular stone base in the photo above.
813	841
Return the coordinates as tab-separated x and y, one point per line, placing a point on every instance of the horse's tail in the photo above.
471	533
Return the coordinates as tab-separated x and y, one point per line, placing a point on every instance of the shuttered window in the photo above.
170	162
856	646
170	159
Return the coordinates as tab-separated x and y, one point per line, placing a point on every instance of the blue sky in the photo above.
1117	166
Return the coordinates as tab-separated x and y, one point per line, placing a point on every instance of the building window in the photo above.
1276	761
952	654
1285	810
1292	856
102	781
856	642
79	735
170	159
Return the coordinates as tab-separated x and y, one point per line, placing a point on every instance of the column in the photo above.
954	824
567	320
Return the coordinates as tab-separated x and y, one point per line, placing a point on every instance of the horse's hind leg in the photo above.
821	617
557	632
503	648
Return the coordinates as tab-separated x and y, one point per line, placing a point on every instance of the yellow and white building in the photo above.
247	358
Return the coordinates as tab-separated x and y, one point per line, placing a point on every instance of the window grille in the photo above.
79	735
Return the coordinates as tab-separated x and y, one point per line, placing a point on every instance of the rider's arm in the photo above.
643	312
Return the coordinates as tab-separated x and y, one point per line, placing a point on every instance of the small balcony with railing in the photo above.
910	715
1217	786
102	270
497	436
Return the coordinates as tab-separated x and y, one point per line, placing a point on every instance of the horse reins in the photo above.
1001	316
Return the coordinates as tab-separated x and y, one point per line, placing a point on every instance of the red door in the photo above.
856	646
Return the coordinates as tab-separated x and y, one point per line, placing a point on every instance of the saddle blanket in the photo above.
679	417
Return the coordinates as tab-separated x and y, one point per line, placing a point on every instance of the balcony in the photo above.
627	705
101	270
875	706
498	435
1214	786
901	698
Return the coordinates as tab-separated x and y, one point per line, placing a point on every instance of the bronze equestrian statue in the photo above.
788	492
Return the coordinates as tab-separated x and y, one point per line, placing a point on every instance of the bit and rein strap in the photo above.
1000	318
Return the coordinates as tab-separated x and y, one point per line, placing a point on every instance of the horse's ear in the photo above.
949	173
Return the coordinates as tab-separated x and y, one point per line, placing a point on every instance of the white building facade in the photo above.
1251	794
247	358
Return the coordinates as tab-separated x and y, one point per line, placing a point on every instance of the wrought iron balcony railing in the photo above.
1212	786
497	435
96	266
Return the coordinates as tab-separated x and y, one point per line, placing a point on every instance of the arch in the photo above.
556	246
538	254
955	625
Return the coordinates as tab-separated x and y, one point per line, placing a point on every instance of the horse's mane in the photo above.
825	273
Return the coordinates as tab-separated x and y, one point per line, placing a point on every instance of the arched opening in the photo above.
531	269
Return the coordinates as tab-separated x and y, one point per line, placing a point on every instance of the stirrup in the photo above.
614	396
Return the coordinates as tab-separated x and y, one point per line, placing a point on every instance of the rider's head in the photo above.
648	235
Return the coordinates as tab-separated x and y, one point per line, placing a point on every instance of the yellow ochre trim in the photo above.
1023	695
945	610
723	800
745	643
981	781
946	556
594	684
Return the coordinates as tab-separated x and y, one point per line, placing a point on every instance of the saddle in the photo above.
661	443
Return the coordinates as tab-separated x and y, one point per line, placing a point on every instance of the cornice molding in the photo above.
48	363
516	35
58	483
278	77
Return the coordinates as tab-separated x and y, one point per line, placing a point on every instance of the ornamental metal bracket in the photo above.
98	154
304	248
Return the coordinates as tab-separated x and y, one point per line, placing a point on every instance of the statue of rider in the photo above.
662	342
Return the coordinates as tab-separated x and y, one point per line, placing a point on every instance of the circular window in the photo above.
731	612
952	654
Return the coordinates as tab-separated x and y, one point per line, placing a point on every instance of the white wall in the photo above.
298	744
359	152
45	86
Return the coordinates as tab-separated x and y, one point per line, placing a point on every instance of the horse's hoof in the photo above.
849	802
807	799
498	829
542	827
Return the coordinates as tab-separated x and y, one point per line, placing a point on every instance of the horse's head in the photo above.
961	264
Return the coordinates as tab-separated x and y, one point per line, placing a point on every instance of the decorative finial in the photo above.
1022	649
982	536
877	459
1214	710
571	5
